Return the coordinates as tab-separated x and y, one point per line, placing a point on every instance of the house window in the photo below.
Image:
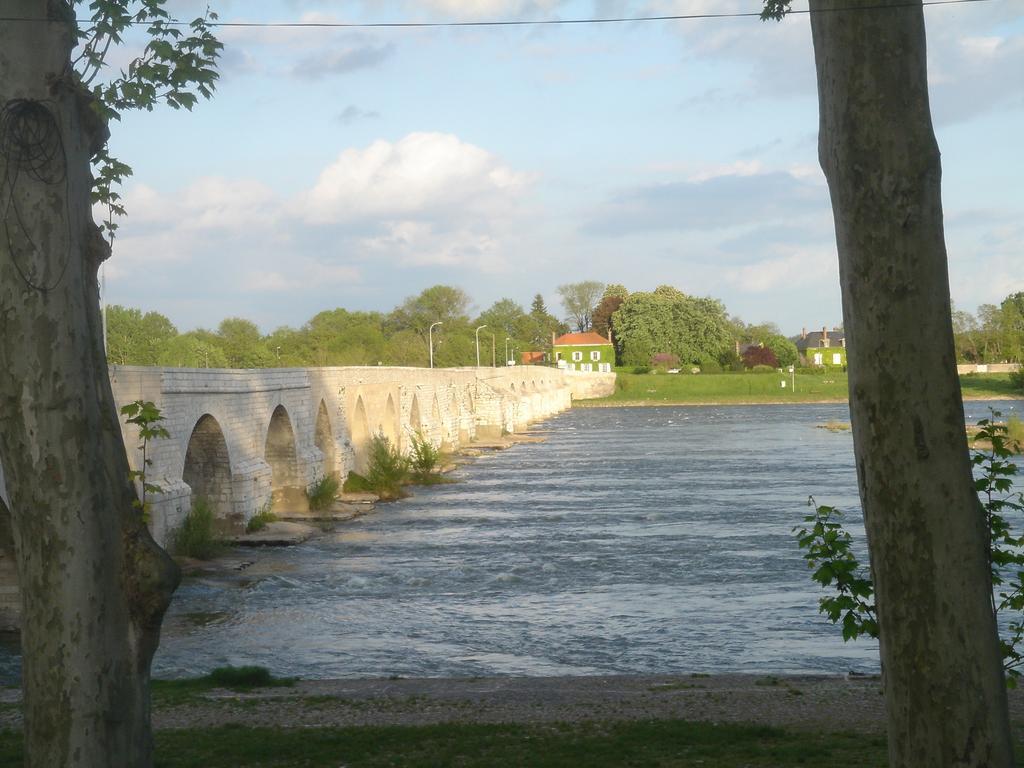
595	355
587	367
837	359
558	355
818	358
577	356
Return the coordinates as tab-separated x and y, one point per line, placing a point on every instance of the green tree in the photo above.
942	668
93	604
242	344
340	337
542	325
785	351
439	303
579	300
694	329
507	317
195	349
134	338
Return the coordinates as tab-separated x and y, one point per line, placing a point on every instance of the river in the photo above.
634	540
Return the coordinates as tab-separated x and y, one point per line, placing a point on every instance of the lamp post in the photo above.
507	340
494	356
792	375
430	336
478	344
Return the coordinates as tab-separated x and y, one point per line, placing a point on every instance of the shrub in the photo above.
388	469
710	365
355	483
424	459
758	356
641	369
322	493
263	516
196	537
241	678
1017	379
764	369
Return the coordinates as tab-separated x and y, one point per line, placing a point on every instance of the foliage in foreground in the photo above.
827	550
322	492
594	744
197	535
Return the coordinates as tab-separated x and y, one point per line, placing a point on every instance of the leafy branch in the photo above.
147	417
827	549
176	68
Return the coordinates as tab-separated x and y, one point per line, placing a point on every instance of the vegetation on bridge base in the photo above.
323	492
197	536
388	470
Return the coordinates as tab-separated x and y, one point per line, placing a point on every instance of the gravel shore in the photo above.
792	702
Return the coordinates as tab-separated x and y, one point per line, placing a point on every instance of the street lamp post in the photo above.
507	340
494	356
430	336
478	344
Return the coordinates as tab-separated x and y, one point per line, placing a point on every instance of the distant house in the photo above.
823	348
586	351
533	358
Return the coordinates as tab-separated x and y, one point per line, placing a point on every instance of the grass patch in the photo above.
197	536
169	693
322	493
668	389
665	389
989	386
262	518
554	745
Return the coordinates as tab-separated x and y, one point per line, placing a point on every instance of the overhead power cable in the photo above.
521	22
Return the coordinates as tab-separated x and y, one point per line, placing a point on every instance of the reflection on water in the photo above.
635	540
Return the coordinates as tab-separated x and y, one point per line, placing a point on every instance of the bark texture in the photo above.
94	585
941	663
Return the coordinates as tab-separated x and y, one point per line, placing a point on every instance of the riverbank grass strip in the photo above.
705	388
594	744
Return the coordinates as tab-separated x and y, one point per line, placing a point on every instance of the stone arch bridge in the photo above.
241	438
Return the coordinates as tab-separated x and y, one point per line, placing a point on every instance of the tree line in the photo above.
664	327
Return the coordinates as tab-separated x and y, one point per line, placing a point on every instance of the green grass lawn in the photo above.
591	744
664	388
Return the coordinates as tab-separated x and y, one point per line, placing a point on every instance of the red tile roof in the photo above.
580	339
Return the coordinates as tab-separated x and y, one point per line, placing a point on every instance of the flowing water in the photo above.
634	540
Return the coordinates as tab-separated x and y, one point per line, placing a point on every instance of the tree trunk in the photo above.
941	664
94	585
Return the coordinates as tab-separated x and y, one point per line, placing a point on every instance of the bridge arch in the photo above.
286	485
207	469
323	438
360	431
389	427
415	420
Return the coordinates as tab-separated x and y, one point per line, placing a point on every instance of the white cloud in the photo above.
425	201
419	175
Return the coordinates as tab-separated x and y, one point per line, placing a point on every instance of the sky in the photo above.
355	167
